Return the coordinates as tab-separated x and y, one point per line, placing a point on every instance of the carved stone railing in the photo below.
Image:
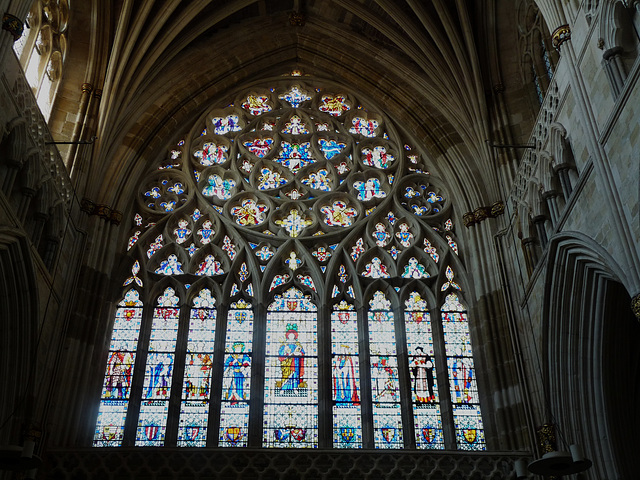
161	463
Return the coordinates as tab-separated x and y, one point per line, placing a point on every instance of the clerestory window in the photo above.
293	284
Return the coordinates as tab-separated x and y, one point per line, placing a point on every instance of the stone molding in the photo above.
482	213
101	210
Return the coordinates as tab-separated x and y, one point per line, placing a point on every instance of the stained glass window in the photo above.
462	376
156	389
116	389
291	373
422	368
196	386
345	386
385	386
288	194
234	412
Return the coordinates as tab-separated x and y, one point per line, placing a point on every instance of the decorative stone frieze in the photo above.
482	213
101	210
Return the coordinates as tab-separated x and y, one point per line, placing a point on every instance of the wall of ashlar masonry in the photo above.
591	244
42	245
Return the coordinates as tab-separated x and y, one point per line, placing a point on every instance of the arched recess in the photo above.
18	341
590	339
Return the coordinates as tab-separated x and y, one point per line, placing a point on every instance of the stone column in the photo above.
551	197
614	69
562	170
540	223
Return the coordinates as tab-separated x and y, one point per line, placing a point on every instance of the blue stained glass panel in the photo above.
385	388
116	388
422	369
196	388
347	421
234	412
291	373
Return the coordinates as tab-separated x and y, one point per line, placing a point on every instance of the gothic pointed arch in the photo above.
325	244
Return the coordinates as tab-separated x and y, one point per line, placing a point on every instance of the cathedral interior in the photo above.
319	239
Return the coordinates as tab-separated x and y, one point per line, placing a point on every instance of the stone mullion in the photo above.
442	379
325	363
366	412
217	376
256	408
408	424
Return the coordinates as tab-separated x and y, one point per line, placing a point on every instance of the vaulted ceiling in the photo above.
162	62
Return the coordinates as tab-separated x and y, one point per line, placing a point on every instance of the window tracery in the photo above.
42	48
326	245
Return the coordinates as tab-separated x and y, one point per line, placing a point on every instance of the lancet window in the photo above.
296	282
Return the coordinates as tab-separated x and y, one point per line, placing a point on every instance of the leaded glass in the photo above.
234	410
347	421
462	376
422	367
196	389
291	378
385	387
156	390
116	388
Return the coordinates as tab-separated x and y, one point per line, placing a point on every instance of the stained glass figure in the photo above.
377	157
294	223
192	249
155	246
422	367
369	189
295	96
448	225
364	127
291	379
259	147
206	232
347	422
380	235
234	411
209	267
270	179
196	215
334	105
331	148
196	390
393	251
249	212
219	187
156	391
339	214
212	154
116	388
462	376
170	266
224	125
404	235
385	387
343	276
376	269
414	269
182	231
318	180
295	126
257	104
294	156
343	168
293	262
322	254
